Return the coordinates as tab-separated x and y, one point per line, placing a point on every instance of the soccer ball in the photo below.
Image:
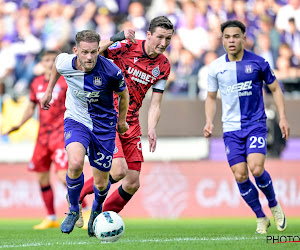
108	226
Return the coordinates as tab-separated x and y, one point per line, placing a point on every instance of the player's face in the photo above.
87	54
158	41
47	62
233	41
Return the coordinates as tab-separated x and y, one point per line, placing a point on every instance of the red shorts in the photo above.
47	152
129	146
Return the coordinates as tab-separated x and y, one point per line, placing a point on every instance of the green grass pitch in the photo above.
152	234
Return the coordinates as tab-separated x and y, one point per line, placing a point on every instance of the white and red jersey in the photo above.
52	120
140	72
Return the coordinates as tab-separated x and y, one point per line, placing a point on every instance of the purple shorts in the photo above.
240	143
99	151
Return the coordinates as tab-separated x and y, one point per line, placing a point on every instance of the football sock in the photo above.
112	180
52	217
117	200
264	183
87	189
47	194
74	187
250	195
100	197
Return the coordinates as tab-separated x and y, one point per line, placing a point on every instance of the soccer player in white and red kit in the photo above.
144	66
50	146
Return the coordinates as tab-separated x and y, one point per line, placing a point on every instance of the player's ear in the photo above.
75	50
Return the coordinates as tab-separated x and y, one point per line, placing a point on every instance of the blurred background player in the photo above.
90	119
50	145
144	66
239	75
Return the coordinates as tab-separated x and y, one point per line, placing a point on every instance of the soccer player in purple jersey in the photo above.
90	119
239	76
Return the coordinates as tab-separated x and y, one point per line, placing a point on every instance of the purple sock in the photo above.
264	183
250	195
74	187
100	197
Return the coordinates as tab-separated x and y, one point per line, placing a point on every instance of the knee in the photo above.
132	187
120	174
257	171
75	167
241	177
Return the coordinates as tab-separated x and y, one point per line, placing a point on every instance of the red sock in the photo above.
87	189
47	195
117	200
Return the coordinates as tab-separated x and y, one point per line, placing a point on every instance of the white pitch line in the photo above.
136	241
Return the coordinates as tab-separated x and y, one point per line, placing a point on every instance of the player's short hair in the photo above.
233	23
160	21
89	36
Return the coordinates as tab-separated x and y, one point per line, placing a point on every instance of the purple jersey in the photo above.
89	99
240	84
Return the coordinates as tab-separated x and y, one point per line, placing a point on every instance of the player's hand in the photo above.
122	127
45	101
130	34
208	129
14	128
285	128
152	140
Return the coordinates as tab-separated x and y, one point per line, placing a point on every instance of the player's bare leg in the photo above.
47	194
120	197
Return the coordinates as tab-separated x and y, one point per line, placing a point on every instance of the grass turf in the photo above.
152	234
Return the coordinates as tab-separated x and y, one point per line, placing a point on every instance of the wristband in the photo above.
120	36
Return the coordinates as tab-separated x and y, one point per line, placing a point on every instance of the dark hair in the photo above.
233	23
89	36
160	21
49	52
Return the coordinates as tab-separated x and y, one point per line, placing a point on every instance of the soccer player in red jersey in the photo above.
143	65
50	146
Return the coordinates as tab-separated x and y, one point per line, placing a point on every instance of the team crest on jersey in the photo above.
68	135
248	69
155	71
97	81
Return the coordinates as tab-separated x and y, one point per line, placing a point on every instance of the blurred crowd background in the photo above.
27	27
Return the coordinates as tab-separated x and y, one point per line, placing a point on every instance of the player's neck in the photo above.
237	57
149	52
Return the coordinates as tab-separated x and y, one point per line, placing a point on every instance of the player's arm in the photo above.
120	36
210	111
279	101
46	99
28	113
153	118
123	108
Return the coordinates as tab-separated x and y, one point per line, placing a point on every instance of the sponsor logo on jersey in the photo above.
97	81
140	76
155	71
135	59
272	72
241	86
86	93
115	45
119	72
248	69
